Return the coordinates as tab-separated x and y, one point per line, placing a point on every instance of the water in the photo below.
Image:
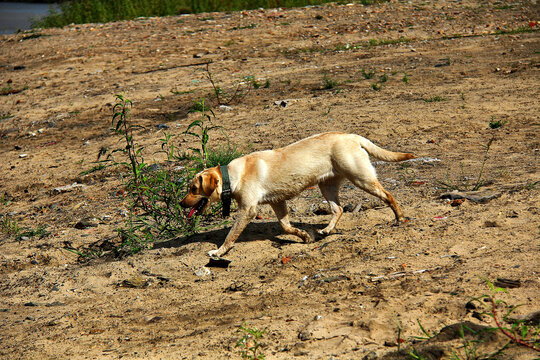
18	16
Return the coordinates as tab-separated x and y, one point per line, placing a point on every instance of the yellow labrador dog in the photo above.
275	176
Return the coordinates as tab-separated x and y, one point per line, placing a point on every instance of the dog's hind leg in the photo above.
375	188
282	214
244	218
330	191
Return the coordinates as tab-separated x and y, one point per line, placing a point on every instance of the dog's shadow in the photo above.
254	231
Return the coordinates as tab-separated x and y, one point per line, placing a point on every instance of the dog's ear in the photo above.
210	182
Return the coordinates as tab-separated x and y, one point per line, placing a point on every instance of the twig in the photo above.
170	68
505	332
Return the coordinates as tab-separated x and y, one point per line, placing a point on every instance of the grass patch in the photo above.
250	26
368	74
434	99
463	183
95	168
6	116
101	11
328	83
495	124
10	90
474	339
155	190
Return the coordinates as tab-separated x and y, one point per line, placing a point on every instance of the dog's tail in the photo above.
383	154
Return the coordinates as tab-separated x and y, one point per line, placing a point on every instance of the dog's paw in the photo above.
309	236
402	221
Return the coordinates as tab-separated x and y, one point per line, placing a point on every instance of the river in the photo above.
18	16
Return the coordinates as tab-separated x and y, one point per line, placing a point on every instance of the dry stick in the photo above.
505	332
170	68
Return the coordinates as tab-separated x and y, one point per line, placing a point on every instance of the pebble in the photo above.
202	272
87	222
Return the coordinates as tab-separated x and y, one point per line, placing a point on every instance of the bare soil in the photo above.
343	297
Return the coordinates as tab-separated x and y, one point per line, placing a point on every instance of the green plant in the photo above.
520	332
407	175
98	167
6	116
248	344
40	232
376	86
155	191
222	154
204	126
464	184
4	199
9	226
255	84
223	97
495	124
531	185
328	83
405	78
10	90
434	99
369	74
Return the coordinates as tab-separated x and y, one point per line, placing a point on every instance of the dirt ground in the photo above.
451	68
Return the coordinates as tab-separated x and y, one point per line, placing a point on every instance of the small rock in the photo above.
283	103
225	108
162	127
202	272
153	319
491	224
531	318
55	303
304	335
372	355
87	222
67	188
135	282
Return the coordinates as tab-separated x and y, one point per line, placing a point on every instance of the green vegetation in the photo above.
463	183
434	99
495	124
473	337
101	11
248	345
155	190
11	228
329	83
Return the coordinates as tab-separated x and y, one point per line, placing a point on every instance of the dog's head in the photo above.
204	189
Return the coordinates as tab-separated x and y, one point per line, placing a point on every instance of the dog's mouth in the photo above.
198	208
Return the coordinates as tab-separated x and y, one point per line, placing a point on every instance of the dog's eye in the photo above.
193	189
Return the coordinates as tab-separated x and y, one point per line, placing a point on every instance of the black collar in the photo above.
225	190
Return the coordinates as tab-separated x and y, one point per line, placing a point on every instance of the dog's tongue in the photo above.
192	211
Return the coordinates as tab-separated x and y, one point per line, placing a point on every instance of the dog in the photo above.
275	176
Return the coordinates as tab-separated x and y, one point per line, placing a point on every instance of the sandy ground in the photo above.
360	293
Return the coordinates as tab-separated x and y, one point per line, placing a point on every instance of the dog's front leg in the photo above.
244	218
